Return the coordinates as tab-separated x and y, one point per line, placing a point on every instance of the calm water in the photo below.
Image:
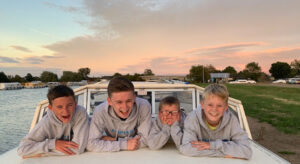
17	108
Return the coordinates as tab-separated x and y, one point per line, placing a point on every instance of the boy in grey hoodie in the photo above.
214	130
169	123
62	131
122	122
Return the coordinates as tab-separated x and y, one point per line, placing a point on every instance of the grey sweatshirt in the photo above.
161	133
106	123
41	140
228	139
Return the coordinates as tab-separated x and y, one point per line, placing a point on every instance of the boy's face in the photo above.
122	103
63	108
169	114
214	108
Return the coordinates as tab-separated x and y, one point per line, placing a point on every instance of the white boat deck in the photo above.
168	154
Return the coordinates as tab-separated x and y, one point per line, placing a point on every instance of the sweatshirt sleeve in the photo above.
158	136
36	141
176	133
238	146
144	122
191	129
81	130
97	128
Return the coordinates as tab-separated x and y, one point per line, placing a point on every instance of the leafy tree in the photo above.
70	76
36	78
18	78
29	77
196	73
47	76
148	72
252	71
135	77
117	74
280	70
84	72
231	71
3	77
295	68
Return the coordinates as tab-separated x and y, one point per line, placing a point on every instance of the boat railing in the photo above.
189	95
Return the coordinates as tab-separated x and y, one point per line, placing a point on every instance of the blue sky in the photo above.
128	36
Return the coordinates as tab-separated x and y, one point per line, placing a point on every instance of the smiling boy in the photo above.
168	124
214	130
122	122
62	131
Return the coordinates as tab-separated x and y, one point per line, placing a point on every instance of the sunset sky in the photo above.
128	36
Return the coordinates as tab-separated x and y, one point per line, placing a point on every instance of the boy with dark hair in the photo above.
214	130
168	124
122	122
62	131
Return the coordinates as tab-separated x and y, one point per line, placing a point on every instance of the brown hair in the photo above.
216	89
119	84
169	100
59	91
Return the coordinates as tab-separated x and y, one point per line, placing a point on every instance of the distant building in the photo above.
219	77
9	86
35	84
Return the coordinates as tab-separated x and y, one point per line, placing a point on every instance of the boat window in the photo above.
80	99
185	98
97	97
148	96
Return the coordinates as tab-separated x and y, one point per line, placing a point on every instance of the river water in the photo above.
17	108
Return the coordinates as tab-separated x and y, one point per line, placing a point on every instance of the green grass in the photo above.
287	152
278	106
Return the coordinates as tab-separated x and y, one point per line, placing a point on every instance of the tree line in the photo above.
198	73
279	70
46	76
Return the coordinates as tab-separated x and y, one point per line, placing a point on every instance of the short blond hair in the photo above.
216	89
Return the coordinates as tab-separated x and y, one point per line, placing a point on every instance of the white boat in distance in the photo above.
189	96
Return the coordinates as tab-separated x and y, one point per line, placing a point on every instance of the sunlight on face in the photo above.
63	108
214	108
122	103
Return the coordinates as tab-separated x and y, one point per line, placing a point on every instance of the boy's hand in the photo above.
133	144
63	146
200	145
106	138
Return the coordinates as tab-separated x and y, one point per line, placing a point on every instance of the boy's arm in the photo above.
95	143
239	146
36	142
158	137
81	131
190	135
144	123
176	133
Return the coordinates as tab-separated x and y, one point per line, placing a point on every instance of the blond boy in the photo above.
168	124
214	130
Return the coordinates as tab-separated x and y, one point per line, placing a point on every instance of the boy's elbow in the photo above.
20	151
154	147
186	150
248	153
